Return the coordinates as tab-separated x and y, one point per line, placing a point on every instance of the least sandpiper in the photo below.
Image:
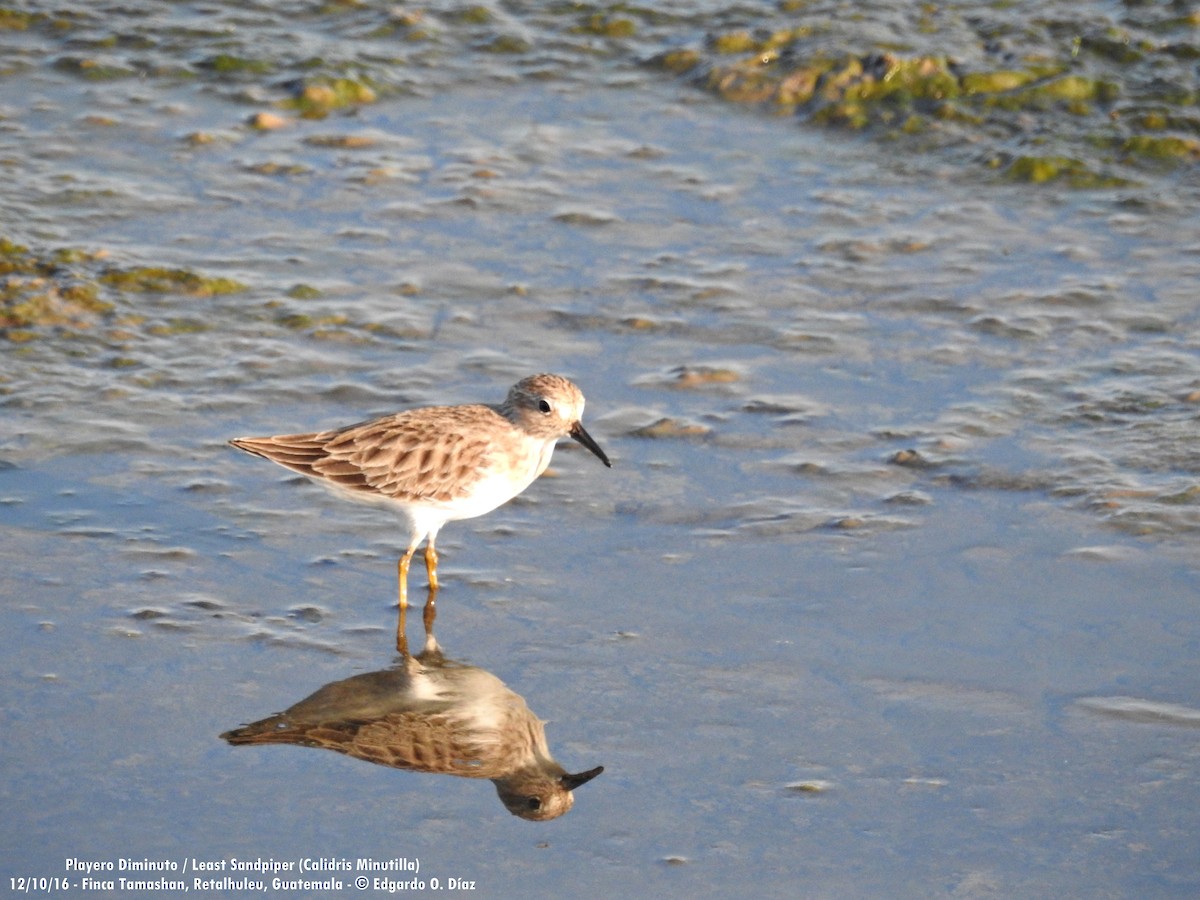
439	463
432	715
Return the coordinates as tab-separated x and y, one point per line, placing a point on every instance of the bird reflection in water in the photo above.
430	714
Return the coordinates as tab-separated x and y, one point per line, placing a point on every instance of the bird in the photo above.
430	714
438	464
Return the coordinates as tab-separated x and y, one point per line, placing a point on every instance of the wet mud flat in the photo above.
891	587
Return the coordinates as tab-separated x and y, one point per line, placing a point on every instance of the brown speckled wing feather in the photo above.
405	740
431	454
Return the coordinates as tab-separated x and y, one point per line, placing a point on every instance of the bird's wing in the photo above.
433	454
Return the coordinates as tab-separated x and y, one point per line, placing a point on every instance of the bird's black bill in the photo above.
570	782
577	431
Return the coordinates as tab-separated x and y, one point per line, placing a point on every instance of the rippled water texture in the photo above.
886	315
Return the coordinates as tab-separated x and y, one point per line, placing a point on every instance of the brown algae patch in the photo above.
912	95
667	427
158	280
340	141
610	26
688	377
61	290
267	121
692	377
318	98
1075	107
42	291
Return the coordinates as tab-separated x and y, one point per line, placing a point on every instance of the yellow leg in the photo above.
431	560
402	575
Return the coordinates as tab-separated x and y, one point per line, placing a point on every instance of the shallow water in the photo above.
891	589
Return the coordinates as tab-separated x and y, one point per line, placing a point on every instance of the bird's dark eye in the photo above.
533	803
544	405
